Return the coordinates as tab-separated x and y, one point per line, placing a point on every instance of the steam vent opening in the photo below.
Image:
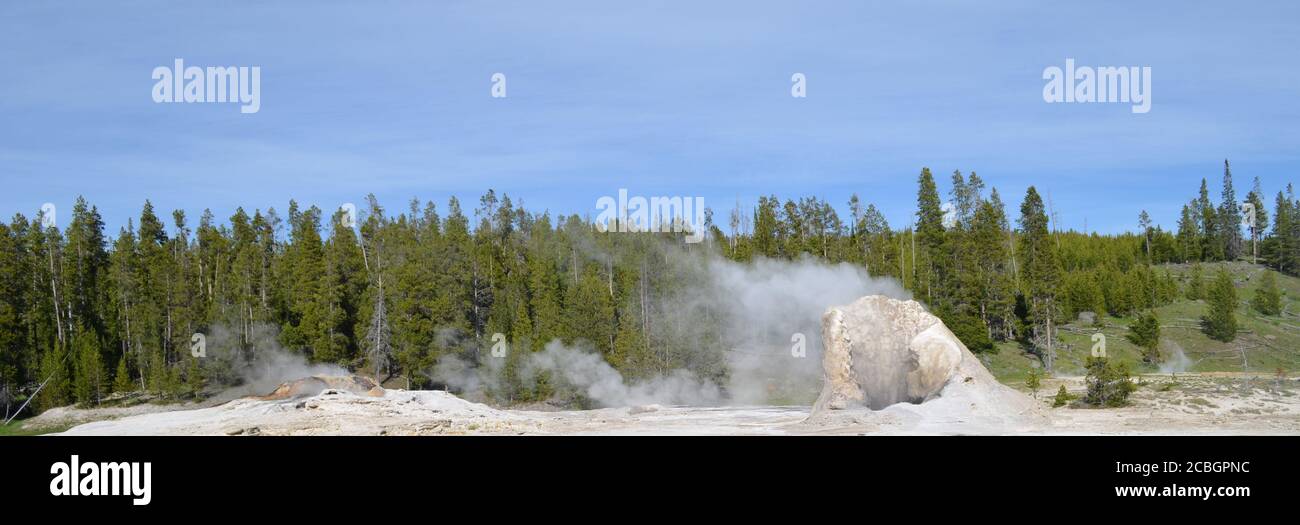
881	351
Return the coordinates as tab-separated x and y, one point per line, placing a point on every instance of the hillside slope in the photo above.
1263	346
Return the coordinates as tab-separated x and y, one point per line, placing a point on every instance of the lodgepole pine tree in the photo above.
1221	321
1268	299
930	236
1229	217
1040	274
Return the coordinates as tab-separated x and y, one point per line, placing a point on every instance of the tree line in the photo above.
83	315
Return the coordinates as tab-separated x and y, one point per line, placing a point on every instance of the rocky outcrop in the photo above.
881	352
310	386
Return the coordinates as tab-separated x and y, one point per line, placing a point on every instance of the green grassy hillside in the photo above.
1263	345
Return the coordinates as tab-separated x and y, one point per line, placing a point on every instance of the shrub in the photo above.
1108	385
1034	381
1062	398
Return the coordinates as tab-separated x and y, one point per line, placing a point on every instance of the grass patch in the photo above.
16	429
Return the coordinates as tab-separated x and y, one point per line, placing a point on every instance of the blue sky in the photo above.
663	98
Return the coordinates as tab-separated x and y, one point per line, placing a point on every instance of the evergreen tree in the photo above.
1196	283
194	377
1188	240
1034	381
545	284
1144	225
125	298
1280	247
765	228
342	289
458	262
89	380
589	308
152	269
1268	299
182	310
991	273
57	383
418	307
15	353
1229	218
303	264
1145	333
1221	321
85	266
1040	274
928	275
122	378
1211	241
1062	398
876	243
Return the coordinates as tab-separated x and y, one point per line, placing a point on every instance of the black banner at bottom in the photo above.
324	475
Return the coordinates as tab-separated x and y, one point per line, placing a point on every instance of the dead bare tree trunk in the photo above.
54	295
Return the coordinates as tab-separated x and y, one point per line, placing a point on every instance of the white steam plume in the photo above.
260	369
749	310
764	304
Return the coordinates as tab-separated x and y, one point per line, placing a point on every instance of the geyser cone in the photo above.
313	385
880	352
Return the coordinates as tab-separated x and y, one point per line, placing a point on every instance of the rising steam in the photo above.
767	302
754	312
259	366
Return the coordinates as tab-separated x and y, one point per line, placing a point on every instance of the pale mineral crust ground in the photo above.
1211	404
